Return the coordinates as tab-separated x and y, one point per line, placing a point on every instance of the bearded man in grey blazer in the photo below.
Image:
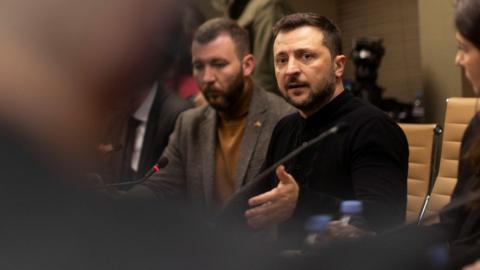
217	148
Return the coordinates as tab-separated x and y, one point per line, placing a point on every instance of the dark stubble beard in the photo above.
230	97
316	99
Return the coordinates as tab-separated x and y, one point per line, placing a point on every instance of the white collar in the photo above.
141	114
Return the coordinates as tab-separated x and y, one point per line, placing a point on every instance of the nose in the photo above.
208	76
459	58
292	67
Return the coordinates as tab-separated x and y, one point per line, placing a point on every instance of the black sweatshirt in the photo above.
367	162
461	227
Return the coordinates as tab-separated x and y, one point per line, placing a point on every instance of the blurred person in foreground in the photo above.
61	76
475	266
63	64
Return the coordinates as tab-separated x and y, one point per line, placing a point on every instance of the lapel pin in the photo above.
258	124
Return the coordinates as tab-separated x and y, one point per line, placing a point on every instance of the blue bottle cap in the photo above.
438	256
351	207
318	223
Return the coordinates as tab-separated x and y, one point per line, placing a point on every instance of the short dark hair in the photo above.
467	19
331	33
216	27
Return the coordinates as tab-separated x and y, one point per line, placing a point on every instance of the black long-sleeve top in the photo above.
367	162
461	226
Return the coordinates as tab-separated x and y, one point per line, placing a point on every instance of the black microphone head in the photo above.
340	127
162	162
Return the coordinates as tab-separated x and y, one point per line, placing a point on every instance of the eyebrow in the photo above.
211	60
302	49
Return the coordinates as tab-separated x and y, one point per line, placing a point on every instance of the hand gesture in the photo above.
276	205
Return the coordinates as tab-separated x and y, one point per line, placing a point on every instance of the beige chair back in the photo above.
421	141
458	114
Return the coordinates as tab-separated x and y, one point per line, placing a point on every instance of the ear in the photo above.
339	65
248	64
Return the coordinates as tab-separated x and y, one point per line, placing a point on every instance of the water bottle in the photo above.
349	210
317	232
438	257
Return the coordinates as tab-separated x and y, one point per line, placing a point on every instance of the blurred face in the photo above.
73	58
119	45
306	73
219	72
468	57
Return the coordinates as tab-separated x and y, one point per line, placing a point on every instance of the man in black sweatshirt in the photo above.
367	162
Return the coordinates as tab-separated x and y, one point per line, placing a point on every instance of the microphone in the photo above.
340	127
160	164
239	202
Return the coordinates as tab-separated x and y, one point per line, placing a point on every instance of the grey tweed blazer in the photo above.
192	145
